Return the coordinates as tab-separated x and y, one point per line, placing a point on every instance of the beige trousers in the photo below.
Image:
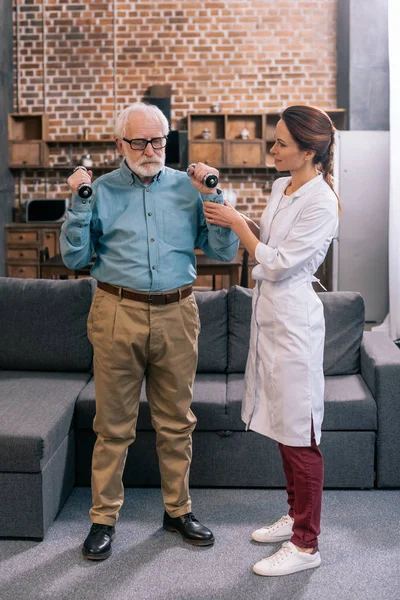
134	340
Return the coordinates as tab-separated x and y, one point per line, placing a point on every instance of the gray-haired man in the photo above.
143	221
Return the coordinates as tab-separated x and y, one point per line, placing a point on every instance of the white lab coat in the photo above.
284	382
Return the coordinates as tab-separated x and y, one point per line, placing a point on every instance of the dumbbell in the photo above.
210	180
85	189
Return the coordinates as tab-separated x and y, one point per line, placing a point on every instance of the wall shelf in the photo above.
232	140
95	141
60	167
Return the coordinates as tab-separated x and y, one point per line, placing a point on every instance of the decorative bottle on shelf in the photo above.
216	107
87	161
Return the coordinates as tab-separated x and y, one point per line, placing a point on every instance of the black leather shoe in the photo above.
97	545
190	529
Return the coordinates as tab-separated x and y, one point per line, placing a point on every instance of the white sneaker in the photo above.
278	532
286	561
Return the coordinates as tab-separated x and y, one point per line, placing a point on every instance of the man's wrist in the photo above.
80	204
214	195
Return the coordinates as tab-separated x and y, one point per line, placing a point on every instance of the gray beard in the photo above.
147	170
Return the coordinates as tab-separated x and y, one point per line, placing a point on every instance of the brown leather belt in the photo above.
156	299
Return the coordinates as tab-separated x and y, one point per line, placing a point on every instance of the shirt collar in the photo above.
130	176
306	187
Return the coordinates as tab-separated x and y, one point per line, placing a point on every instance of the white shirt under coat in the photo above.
284	381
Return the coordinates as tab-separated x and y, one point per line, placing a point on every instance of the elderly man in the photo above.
143	221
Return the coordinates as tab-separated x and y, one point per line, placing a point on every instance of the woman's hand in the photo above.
222	214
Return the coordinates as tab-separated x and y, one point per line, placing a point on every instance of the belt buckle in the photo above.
151	296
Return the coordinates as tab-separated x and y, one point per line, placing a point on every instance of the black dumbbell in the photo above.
85	189
210	180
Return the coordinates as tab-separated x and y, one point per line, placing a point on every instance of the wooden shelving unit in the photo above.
235	140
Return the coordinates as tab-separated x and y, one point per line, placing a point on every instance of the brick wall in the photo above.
82	63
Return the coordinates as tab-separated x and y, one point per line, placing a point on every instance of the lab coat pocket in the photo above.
291	330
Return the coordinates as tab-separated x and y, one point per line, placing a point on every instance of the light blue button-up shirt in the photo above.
143	236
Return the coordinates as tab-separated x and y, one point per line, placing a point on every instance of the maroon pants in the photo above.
304	471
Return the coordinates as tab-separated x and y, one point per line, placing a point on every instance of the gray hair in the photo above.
143	107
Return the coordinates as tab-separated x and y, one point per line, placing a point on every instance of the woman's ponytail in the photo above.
326	162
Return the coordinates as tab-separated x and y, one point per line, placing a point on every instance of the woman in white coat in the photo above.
284	382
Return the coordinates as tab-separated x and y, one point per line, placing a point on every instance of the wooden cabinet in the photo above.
229	140
27	135
238	140
23	245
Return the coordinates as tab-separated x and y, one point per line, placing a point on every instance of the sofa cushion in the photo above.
43	324
213	338
36	416
209	404
344	322
349	405
239	319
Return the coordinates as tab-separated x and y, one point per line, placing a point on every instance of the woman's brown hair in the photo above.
312	129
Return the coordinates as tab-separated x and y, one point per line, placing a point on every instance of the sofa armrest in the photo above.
380	369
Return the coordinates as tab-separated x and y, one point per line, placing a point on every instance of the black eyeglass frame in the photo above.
164	137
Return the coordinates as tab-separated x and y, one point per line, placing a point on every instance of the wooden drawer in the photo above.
31	153
21	237
50	240
22	271
24	254
245	154
210	153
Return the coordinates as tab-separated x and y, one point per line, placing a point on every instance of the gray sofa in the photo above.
47	402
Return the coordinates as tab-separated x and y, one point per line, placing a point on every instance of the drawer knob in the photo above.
21	254
21	237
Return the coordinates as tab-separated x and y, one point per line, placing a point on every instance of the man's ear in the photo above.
120	145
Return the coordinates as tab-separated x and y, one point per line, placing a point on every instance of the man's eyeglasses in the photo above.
140	144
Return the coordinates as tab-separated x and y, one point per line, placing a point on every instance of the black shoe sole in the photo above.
187	540
101	556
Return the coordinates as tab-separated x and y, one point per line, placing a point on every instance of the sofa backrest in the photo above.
43	324
213	338
344	322
43	327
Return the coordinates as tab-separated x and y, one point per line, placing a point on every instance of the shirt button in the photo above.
152	239
153	267
150	214
84	201
147	190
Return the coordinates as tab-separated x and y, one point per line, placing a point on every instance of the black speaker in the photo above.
45	210
176	152
164	104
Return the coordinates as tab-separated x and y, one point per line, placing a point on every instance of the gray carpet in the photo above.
360	547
